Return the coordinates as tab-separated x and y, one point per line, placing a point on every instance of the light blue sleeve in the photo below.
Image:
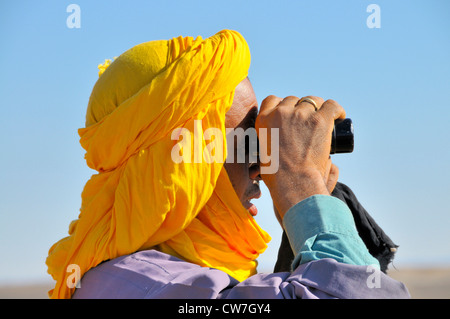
323	227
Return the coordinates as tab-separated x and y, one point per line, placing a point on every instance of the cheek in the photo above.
238	174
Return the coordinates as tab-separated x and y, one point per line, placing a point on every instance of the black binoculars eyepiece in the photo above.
342	139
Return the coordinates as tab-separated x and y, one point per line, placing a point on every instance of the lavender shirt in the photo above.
152	274
331	262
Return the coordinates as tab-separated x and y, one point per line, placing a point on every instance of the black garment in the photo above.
377	242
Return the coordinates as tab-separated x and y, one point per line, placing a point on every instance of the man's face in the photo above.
244	176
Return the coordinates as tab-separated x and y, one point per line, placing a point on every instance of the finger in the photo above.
289	101
332	109
333	177
327	170
277	215
305	101
268	104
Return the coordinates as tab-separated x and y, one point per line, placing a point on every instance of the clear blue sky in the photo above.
393	81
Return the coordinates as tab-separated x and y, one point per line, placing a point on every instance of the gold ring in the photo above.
310	101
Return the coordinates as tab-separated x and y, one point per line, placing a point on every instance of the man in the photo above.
152	227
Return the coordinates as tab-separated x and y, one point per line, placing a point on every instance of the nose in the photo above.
254	170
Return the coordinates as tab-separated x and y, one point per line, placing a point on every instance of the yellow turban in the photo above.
141	199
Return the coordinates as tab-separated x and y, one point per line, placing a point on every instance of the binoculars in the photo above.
342	139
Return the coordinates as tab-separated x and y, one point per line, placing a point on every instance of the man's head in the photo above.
140	199
244	176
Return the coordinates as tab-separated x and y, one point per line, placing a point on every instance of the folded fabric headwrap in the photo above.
141	199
